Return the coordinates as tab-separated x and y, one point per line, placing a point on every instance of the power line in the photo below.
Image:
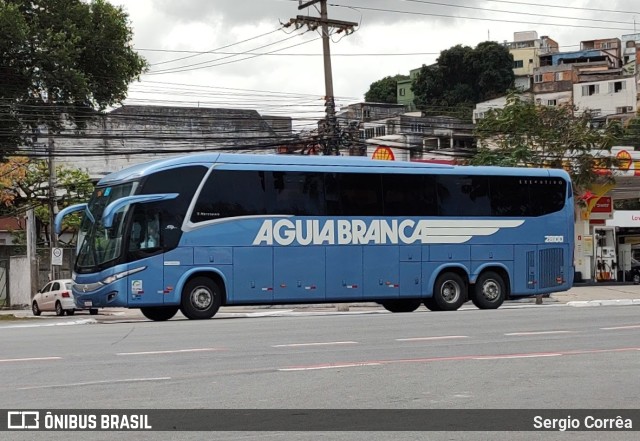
474	18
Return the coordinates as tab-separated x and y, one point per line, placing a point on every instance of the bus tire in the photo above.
431	304
401	305
159	313
449	291
201	298
490	291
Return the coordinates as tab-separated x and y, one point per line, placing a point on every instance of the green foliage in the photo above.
61	57
462	77
631	134
73	187
524	134
384	90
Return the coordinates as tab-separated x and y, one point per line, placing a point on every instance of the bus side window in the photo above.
134	240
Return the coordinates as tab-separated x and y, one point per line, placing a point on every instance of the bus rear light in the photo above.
65	294
559	280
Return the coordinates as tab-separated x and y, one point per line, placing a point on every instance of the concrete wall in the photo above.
19	281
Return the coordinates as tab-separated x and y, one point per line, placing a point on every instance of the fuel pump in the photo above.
605	264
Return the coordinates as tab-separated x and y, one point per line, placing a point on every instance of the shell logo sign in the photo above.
384	154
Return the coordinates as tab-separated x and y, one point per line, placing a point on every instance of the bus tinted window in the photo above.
527	196
463	195
229	193
409	195
547	195
298	193
360	194
157	225
509	196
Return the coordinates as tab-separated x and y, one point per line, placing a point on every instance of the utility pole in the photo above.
331	125
31	250
53	208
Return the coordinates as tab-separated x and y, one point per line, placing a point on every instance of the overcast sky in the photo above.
393	36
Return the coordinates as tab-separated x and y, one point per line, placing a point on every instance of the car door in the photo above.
47	304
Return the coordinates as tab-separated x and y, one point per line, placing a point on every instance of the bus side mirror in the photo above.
111	209
65	212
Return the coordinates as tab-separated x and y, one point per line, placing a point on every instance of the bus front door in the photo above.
146	287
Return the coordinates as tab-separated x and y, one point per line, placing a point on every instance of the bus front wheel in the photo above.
449	292
490	291
159	313
201	298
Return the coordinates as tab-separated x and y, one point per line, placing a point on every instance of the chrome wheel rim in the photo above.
201	298
490	290
450	291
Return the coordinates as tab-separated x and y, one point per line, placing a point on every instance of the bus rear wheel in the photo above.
201	298
449	292
159	313
490	291
401	305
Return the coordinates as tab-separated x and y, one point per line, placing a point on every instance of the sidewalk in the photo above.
584	295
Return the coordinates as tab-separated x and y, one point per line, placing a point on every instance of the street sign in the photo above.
56	256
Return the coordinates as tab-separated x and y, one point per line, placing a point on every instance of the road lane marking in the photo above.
326	343
176	351
454	358
328	366
12	360
538	333
503	357
91	383
443	337
621	327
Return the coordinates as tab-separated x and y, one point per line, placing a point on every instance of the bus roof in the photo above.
208	159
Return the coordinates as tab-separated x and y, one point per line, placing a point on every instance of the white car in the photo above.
55	296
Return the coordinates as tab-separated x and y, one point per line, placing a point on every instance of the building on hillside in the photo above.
630	53
404	91
606	94
134	134
605	50
526	49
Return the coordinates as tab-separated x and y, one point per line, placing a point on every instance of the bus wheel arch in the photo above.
202	295
491	288
450	290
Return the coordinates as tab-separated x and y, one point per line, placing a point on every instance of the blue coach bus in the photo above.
197	232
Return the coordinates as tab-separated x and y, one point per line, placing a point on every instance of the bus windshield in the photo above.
98	245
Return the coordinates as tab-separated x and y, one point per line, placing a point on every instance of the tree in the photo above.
384	90
525	134
26	184
61	60
463	76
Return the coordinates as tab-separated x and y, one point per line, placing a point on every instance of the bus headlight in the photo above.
121	275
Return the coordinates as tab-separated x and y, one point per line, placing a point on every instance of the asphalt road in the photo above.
554	358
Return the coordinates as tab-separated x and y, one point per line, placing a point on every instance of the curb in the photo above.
618	302
42	325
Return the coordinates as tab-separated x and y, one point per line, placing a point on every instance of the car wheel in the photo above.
70	311
636	278
59	310
35	308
